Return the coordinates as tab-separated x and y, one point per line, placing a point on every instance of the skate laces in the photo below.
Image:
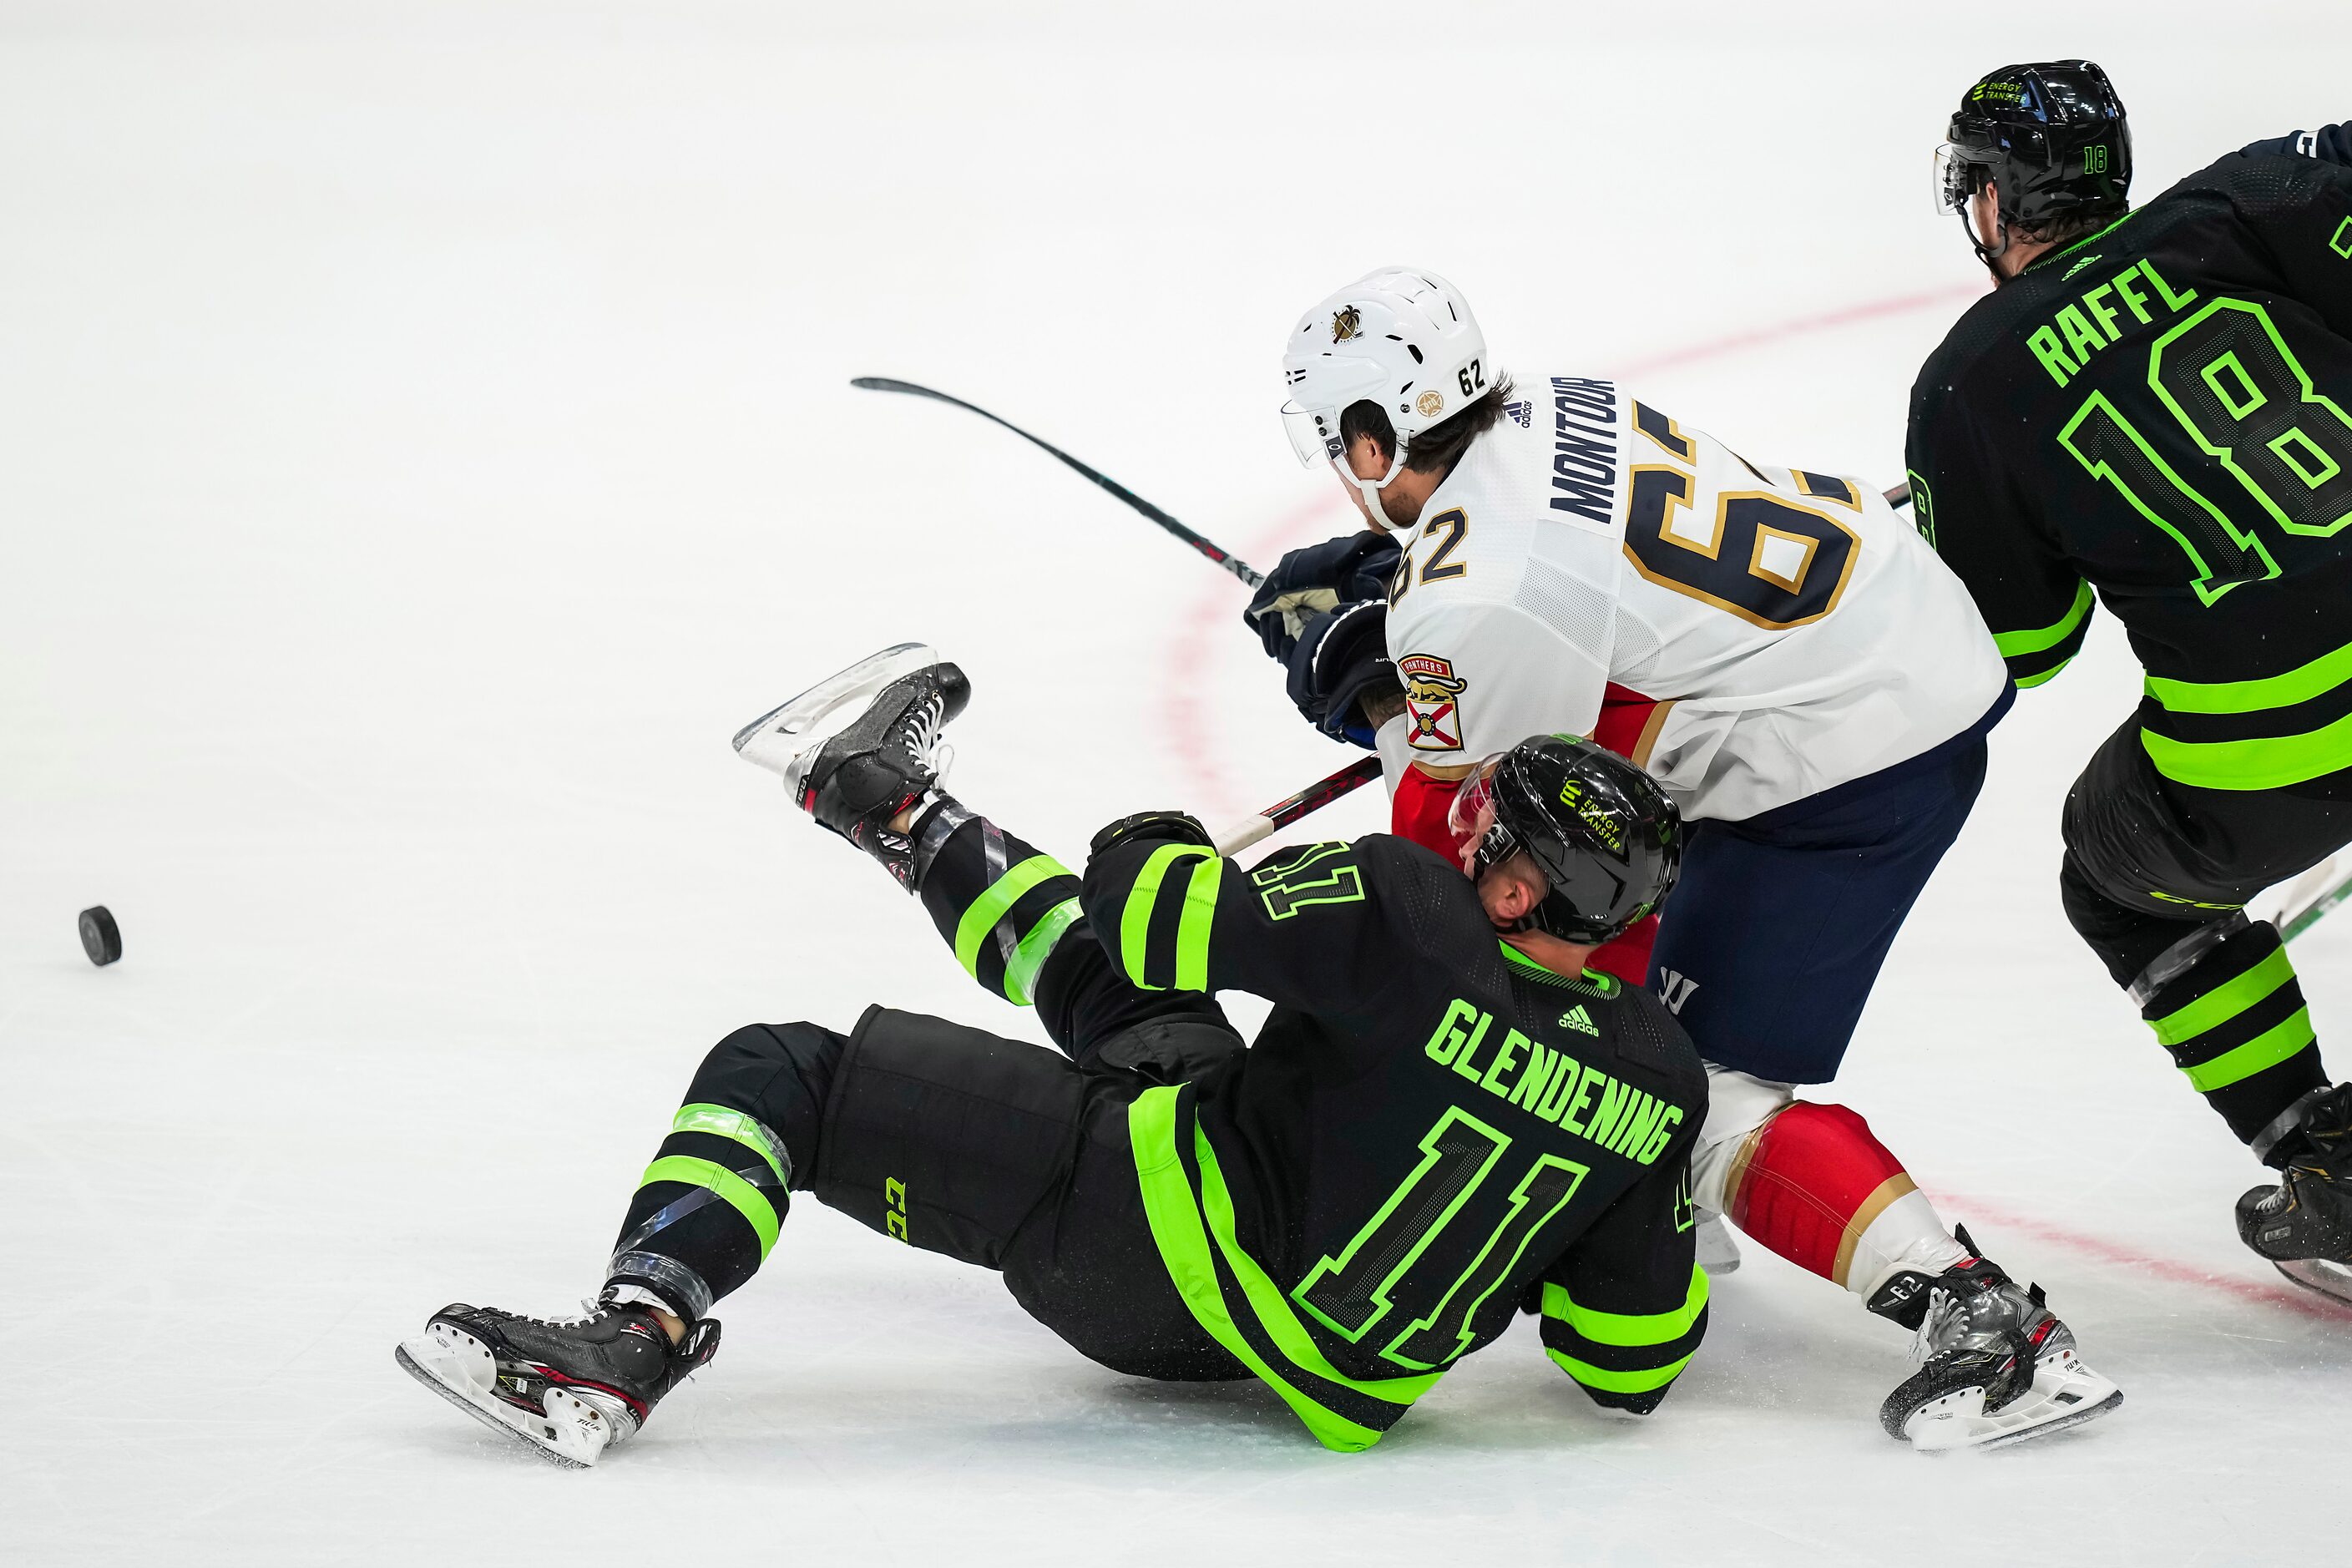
920	738
590	1310
1943	1306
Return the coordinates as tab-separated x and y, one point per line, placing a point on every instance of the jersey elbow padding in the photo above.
1624	1360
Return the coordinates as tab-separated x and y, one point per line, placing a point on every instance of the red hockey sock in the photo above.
1813	1185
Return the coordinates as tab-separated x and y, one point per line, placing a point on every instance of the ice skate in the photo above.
1999	1365
1718	1254
859	748
568	1387
2303	1226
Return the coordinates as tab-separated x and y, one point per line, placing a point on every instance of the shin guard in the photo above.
999	903
707	1209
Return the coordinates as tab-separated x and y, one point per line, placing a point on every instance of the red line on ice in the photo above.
2293	1299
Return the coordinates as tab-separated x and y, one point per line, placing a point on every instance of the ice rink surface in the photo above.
426	438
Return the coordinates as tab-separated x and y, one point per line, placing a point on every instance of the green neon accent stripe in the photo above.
1021	967
1608	1381
1629	1329
2270	763
2318	678
2266	1049
1266	1299
1593	983
992	904
2225	1001
1135	920
2015	645
2038	679
1192	930
1183	1243
748	1130
2040	261
748	1200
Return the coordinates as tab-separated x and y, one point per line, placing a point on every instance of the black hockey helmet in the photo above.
1602	831
2052	136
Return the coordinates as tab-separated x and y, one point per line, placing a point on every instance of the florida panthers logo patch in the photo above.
1432	701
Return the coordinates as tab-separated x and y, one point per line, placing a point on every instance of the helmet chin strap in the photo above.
1371	489
1989	254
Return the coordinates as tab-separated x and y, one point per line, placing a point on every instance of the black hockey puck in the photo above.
100	937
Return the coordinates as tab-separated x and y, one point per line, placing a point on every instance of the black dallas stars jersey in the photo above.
2163	412
1428	1131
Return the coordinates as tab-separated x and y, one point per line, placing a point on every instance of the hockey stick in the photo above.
1238	836
1250	830
1231	562
2300	914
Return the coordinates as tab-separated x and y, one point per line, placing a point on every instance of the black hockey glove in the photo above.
1341	660
1150	828
1319	578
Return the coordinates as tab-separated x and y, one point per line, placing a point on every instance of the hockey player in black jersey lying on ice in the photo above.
1445	1118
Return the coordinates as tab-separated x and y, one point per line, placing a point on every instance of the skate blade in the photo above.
781	739
2065	1393
461	1369
2321	1276
1718	1253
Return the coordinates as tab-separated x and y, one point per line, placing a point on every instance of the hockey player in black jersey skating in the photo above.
1445	1117
2156	404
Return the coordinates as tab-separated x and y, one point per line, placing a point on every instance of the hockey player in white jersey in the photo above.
1806	679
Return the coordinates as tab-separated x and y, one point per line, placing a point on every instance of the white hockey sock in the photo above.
1905	1234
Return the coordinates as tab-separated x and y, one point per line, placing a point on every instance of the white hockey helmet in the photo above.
1401	338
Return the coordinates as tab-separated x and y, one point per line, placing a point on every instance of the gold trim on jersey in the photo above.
1647	741
1678	494
1846	494
1712	549
1756	567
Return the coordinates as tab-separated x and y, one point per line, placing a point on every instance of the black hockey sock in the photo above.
2234	1021
1001	905
709	1207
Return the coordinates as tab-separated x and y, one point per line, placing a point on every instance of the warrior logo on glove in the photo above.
1432	700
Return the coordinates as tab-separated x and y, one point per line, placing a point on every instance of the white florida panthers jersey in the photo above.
1776	631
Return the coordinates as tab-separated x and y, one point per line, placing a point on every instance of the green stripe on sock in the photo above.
1135	920
748	1130
2225	1001
746	1199
991	905
1192	930
1608	1381
2267	1049
1022	968
1629	1329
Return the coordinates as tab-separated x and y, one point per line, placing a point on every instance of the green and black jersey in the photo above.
1428	1131
2162	413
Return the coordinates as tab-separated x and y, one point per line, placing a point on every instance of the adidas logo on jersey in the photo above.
1577	1018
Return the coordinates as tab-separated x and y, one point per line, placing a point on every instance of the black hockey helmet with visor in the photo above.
2050	136
1605	836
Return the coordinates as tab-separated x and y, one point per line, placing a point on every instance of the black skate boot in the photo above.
2303	1226
859	748
1999	1368
570	1387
